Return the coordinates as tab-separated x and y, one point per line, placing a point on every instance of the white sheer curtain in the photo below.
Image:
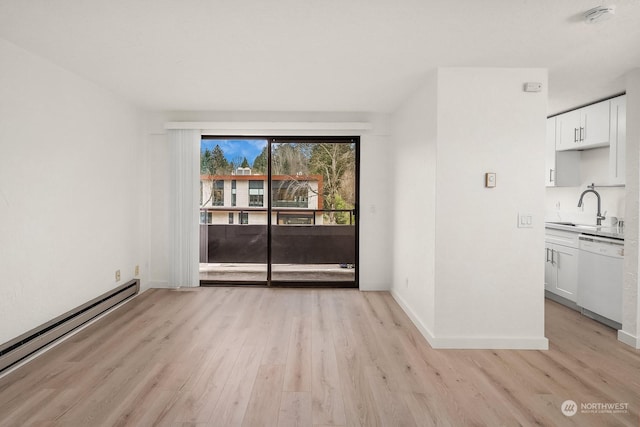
184	221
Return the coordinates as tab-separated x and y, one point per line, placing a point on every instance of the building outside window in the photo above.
256	193
296	219
218	193
233	194
206	217
290	194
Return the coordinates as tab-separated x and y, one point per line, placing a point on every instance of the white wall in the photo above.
69	191
156	247
562	202
488	282
414	140
375	187
630	332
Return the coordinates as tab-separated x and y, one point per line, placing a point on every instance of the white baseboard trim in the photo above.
159	284
426	333
628	339
471	343
491	343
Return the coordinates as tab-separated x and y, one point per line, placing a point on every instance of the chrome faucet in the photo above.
591	189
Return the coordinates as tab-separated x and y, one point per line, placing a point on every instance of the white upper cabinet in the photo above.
562	167
596	125
568	125
618	139
586	127
550	153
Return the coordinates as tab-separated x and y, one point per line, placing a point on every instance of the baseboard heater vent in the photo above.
28	343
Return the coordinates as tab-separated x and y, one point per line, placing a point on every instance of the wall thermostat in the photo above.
490	179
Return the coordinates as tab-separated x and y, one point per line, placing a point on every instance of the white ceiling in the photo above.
319	55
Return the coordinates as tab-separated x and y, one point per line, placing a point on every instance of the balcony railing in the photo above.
290	204
291	243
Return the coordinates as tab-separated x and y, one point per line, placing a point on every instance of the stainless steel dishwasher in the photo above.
600	277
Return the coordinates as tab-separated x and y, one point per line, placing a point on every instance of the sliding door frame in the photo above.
269	282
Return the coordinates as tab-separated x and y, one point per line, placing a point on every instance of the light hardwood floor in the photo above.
303	357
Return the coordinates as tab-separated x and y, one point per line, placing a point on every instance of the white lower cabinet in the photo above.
561	270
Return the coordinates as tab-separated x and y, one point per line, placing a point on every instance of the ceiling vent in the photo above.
598	14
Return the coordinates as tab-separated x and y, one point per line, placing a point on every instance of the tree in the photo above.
245	163
335	162
260	162
290	158
213	163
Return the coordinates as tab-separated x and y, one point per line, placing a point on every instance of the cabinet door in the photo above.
565	260
567	130
550	274
617	140
567	172
550	153
594	126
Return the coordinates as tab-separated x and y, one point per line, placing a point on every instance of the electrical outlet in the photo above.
117	275
137	273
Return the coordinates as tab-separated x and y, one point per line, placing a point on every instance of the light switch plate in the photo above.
525	220
490	179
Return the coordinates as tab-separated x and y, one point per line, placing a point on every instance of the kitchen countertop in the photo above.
594	230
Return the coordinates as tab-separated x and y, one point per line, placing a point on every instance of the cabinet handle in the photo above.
546	254
575	134
582	134
552	257
551	174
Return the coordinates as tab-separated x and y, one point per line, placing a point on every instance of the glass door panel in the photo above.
233	211
313	205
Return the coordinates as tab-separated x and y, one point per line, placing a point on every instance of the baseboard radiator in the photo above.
28	343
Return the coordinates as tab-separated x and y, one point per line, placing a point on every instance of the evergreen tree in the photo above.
219	163
205	162
260	162
245	163
213	163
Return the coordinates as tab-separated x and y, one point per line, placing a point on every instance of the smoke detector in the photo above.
598	14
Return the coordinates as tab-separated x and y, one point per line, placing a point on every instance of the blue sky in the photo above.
236	148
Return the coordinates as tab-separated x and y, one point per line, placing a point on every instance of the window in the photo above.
256	193
218	193
233	194
206	217
230	217
295	219
290	194
244	217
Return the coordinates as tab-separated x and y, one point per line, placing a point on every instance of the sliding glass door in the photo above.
233	211
279	211
313	200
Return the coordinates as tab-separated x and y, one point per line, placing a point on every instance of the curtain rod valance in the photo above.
283	126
